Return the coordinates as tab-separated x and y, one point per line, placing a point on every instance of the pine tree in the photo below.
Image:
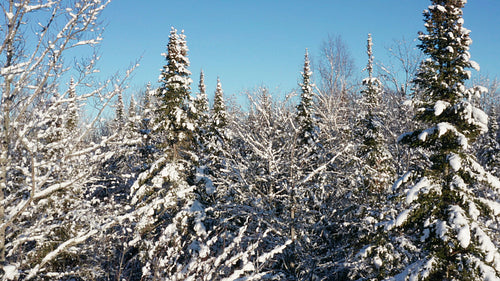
305	117
219	114
173	119
374	157
489	146
73	109
201	102
120	119
146	118
218	134
448	200
132	108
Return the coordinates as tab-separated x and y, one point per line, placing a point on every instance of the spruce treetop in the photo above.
448	198
201	100
173	115
219	108
305	118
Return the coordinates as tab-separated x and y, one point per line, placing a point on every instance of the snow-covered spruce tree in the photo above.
489	146
167	211
372	172
307	128
173	121
201	103
119	121
375	171
146	116
73	108
218	132
449	202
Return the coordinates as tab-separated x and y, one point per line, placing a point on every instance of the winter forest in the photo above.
394	177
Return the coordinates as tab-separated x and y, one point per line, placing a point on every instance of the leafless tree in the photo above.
398	72
43	161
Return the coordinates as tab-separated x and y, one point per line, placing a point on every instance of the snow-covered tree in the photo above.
448	209
119	112
219	114
73	108
173	120
43	221
201	103
307	128
376	170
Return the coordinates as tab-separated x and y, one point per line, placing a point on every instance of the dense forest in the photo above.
394	177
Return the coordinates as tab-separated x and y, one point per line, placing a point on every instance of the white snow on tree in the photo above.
448	206
173	120
375	160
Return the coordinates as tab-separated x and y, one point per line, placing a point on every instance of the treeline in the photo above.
390	178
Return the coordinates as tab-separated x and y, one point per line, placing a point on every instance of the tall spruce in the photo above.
201	102
448	201
219	136
305	117
219	114
173	121
373	153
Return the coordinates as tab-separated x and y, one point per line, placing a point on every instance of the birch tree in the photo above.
36	36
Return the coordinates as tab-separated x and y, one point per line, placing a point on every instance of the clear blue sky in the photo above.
252	43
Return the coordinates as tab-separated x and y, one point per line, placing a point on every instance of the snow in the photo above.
459	222
481	119
9	16
10	272
474	65
440	106
445	127
402	180
423	135
400	219
437	7
441	229
487	271
455	161
486	246
412	193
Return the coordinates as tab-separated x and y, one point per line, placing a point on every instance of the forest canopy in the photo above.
389	177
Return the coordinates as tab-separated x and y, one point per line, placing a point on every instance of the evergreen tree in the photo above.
119	112
146	124
374	157
73	109
489	146
219	114
448	200
201	103
305	117
132	108
218	134
173	120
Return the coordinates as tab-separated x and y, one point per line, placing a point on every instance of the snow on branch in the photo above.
50	256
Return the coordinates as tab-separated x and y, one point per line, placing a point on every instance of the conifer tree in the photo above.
73	109
489	146
202	119
305	117
444	231
132	108
119	113
219	114
218	126
374	156
173	119
201	102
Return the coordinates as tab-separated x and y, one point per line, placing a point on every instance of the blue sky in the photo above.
252	43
